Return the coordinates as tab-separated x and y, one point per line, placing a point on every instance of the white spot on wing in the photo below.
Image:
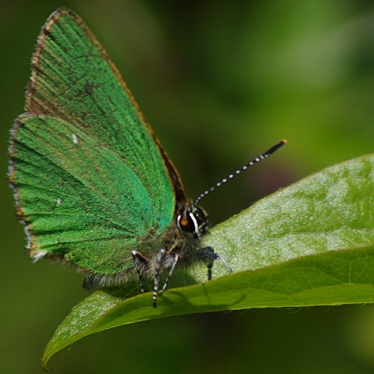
38	256
75	138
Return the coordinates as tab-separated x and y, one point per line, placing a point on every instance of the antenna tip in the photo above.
284	141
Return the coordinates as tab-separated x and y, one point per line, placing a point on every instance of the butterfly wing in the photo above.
90	177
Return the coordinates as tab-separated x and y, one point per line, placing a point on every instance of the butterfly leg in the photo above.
208	256
156	281
171	272
140	265
163	260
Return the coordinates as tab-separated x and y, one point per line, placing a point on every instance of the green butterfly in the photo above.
92	184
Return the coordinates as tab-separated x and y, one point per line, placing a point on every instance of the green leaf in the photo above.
308	244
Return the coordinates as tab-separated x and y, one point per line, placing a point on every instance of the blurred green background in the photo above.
220	82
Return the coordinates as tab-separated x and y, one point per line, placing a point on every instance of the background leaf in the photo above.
311	244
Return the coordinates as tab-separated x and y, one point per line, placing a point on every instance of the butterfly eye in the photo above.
184	222
192	220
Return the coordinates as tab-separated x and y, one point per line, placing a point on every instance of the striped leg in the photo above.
171	272
140	264
161	256
160	259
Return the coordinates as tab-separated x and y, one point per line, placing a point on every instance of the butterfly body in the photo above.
92	183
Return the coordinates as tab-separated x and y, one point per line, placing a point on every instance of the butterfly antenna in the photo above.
243	168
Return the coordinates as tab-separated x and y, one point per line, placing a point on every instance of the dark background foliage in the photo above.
220	81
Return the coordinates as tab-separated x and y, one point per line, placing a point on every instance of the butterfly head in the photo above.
193	220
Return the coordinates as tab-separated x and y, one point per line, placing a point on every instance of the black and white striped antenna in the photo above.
243	168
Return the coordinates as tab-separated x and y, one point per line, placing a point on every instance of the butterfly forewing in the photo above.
89	175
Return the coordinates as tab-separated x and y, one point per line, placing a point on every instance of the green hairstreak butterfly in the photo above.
92	184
